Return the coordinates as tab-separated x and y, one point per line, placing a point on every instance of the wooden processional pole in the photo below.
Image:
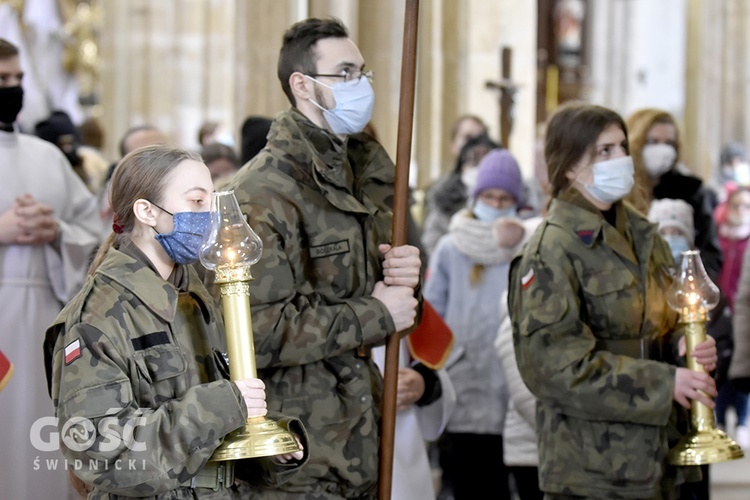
400	208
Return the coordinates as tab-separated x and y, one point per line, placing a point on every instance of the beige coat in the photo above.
740	365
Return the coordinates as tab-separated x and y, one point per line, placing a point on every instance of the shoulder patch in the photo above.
587	236
527	279
72	351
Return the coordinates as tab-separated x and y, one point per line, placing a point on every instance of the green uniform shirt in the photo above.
132	347
592	331
321	207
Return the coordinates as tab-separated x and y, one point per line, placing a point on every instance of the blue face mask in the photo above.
487	213
678	244
190	231
354	103
613	179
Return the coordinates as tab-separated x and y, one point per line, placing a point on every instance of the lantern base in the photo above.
707	446
260	437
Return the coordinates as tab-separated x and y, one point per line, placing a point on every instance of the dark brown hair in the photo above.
142	174
7	49
572	132
463	118
298	48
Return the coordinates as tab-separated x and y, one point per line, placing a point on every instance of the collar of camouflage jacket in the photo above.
158	295
589	224
340	170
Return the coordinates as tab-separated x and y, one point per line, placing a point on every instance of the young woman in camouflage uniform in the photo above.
595	340
135	359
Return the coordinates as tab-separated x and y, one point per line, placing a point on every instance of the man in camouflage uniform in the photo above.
319	196
596	343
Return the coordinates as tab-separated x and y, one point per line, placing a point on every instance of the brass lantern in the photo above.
693	295
230	250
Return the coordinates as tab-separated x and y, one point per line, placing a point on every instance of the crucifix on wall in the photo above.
508	90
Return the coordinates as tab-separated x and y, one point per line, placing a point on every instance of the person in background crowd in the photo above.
739	368
48	230
674	220
221	161
135	138
253	134
655	148
464	128
211	132
92	134
734	234
328	286
466	272
733	170
91	150
520	451
593	334
425	400
451	193
59	130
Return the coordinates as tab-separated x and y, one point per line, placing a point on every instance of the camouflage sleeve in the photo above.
125	449
556	351
293	323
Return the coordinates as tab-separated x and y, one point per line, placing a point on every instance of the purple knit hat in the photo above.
498	169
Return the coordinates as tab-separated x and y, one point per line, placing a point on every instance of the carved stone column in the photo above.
704	81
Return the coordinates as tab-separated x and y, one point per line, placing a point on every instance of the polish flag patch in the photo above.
72	351
527	279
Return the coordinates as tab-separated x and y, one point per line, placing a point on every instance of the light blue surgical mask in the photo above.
613	179
487	213
190	231
355	100
678	244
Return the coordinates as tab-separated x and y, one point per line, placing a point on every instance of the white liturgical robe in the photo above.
35	282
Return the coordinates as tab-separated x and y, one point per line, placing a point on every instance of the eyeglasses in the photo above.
349	75
497	199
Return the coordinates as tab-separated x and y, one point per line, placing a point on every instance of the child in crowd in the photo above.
733	224
675	219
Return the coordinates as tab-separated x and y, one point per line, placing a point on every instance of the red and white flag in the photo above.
72	351
6	370
527	279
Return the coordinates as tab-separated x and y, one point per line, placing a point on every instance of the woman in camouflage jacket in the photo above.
135	360
595	340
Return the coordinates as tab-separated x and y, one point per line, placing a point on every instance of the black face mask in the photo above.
11	102
73	157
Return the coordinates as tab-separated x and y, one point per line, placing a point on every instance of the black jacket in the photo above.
691	190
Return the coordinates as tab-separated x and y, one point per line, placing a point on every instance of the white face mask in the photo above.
355	101
658	158
741	174
469	177
613	179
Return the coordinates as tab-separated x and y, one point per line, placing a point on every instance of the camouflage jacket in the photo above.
137	357
321	208
592	331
